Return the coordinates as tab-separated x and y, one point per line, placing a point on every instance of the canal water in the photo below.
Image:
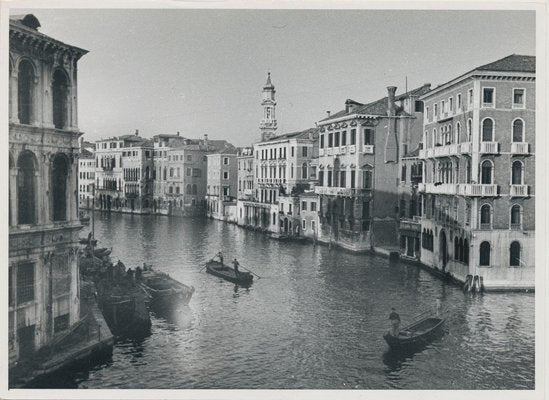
314	320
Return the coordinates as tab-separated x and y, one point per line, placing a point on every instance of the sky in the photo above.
202	71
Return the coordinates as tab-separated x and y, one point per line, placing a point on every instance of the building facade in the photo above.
222	183
86	178
44	289
479	175
360	151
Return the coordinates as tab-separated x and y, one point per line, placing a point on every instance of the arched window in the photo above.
435	139
189	189
469	129
484	254
486	173
147	171
485	216
516	173
25	85
456	249
488	130
195	190
60	173
367	179
26	189
516	217
165	173
449	138
461	250
59	97
170	190
466	251
514	254
518	130
304	171
458	133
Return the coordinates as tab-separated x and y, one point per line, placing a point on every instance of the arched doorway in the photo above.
443	250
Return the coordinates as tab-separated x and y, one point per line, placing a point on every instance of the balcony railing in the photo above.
368	149
321	152
519	191
329	151
519	148
465	148
352	149
336	151
489	147
410	225
339	191
480	190
442	188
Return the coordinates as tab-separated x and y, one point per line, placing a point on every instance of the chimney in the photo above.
206	141
177	133
391	100
137	132
328	114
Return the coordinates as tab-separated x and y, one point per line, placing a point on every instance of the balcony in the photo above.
368	149
410	225
442	151
519	148
336	151
321	152
489	147
329	151
519	191
343	149
442	188
465	148
352	149
339	191
477	190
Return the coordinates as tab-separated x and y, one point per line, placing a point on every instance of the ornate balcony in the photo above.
368	149
489	147
336	151
352	149
329	151
339	191
519	148
519	191
442	188
321	152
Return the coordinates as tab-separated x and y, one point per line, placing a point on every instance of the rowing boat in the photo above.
164	290
418	333
223	271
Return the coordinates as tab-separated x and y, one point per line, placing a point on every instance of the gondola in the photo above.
103	252
416	334
86	241
164	290
223	271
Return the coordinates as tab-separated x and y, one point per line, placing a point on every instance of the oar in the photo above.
250	271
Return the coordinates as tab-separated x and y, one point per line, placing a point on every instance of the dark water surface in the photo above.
315	320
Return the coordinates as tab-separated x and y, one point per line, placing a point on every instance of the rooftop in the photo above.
512	63
293	135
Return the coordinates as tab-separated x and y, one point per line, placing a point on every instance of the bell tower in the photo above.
268	122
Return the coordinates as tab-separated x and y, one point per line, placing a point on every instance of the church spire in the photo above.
268	122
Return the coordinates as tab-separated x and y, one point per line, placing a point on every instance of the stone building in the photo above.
359	156
123	179
245	160
222	183
86	178
43	278
479	175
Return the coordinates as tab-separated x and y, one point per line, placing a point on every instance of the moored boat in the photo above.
224	271
418	333
87	242
164	290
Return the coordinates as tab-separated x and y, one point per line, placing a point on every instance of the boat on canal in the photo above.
224	271
416	334
163	289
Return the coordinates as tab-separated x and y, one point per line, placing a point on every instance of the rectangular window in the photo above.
344	138
427	114
189	157
436	110
458	105
443	107
336	139
353	136
330	140
321	178
368	136
25	283
488	97
304	225
518	98
189	171
303	206
225	174
313	205
329	179
225	160
342	179
177	190
451	104
304	153
321	141
292	151
418	106
353	176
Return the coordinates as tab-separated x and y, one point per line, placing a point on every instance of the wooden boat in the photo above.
86	242
103	252
416	334
224	271
164	290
